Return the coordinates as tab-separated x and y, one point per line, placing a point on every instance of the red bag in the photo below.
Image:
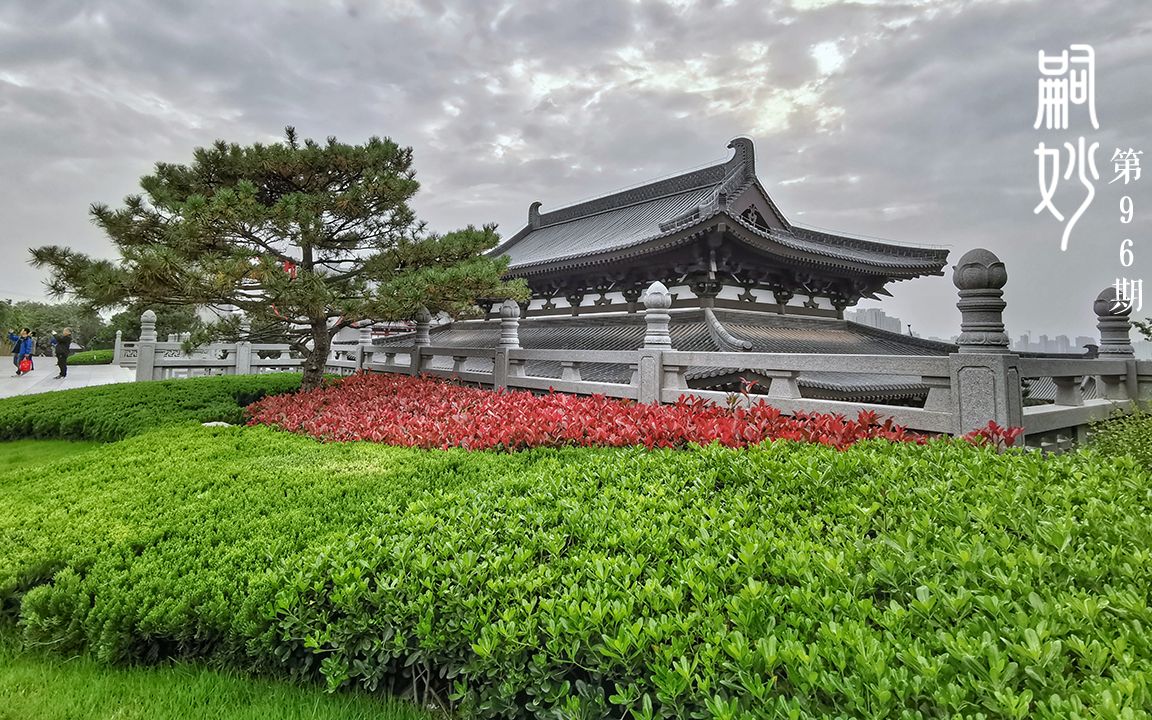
25	365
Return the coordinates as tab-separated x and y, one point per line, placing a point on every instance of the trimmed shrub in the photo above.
783	580
112	412
430	413
91	357
1129	434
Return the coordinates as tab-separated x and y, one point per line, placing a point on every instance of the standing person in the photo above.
63	345
21	347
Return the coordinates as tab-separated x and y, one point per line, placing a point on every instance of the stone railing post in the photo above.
649	372
1116	344
420	341
980	277
364	347
1113	324
243	355
1143	380
509	324
423	323
505	366
146	348
500	369
985	376
118	348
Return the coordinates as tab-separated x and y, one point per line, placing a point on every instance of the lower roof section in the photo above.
694	330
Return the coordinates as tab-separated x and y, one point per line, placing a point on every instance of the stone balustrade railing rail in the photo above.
967	389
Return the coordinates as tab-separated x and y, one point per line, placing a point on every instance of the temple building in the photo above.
743	278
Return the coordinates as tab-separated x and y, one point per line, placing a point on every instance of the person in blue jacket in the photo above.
22	345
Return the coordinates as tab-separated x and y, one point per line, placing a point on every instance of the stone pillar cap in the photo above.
657	297
979	269
1105	304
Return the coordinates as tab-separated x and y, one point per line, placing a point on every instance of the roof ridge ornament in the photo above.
534	215
744	157
722	336
739	172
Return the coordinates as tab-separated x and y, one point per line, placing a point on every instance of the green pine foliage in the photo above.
784	580
112	412
306	238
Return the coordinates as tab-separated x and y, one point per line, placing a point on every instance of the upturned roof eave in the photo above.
765	242
674	185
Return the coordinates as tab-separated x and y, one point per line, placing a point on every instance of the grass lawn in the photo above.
91	357
46	687
26	453
51	687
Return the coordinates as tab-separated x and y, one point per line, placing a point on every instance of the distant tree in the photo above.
169	319
7	315
45	318
305	238
1145	327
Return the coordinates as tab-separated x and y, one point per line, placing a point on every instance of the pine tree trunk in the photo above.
317	357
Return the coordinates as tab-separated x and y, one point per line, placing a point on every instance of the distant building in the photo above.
875	317
741	275
1061	344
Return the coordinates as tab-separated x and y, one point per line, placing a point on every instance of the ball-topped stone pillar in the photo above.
146	348
509	325
1113	323
657	300
980	277
423	323
148	326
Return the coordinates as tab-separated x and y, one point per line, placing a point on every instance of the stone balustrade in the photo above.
981	382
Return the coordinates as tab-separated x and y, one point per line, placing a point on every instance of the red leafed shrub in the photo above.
430	413
996	435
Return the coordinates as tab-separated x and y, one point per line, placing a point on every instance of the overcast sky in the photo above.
909	121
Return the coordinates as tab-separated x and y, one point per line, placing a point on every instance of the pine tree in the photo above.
302	237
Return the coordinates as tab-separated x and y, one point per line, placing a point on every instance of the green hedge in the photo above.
112	412
91	357
780	581
1129	434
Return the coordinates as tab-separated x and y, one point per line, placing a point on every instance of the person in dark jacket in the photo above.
63	345
22	345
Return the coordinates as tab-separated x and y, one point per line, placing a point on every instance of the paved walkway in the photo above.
42	378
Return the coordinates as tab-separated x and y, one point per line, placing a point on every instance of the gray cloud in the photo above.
912	123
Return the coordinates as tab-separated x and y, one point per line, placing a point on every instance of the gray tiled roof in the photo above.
799	334
766	332
639	215
604	231
1043	390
